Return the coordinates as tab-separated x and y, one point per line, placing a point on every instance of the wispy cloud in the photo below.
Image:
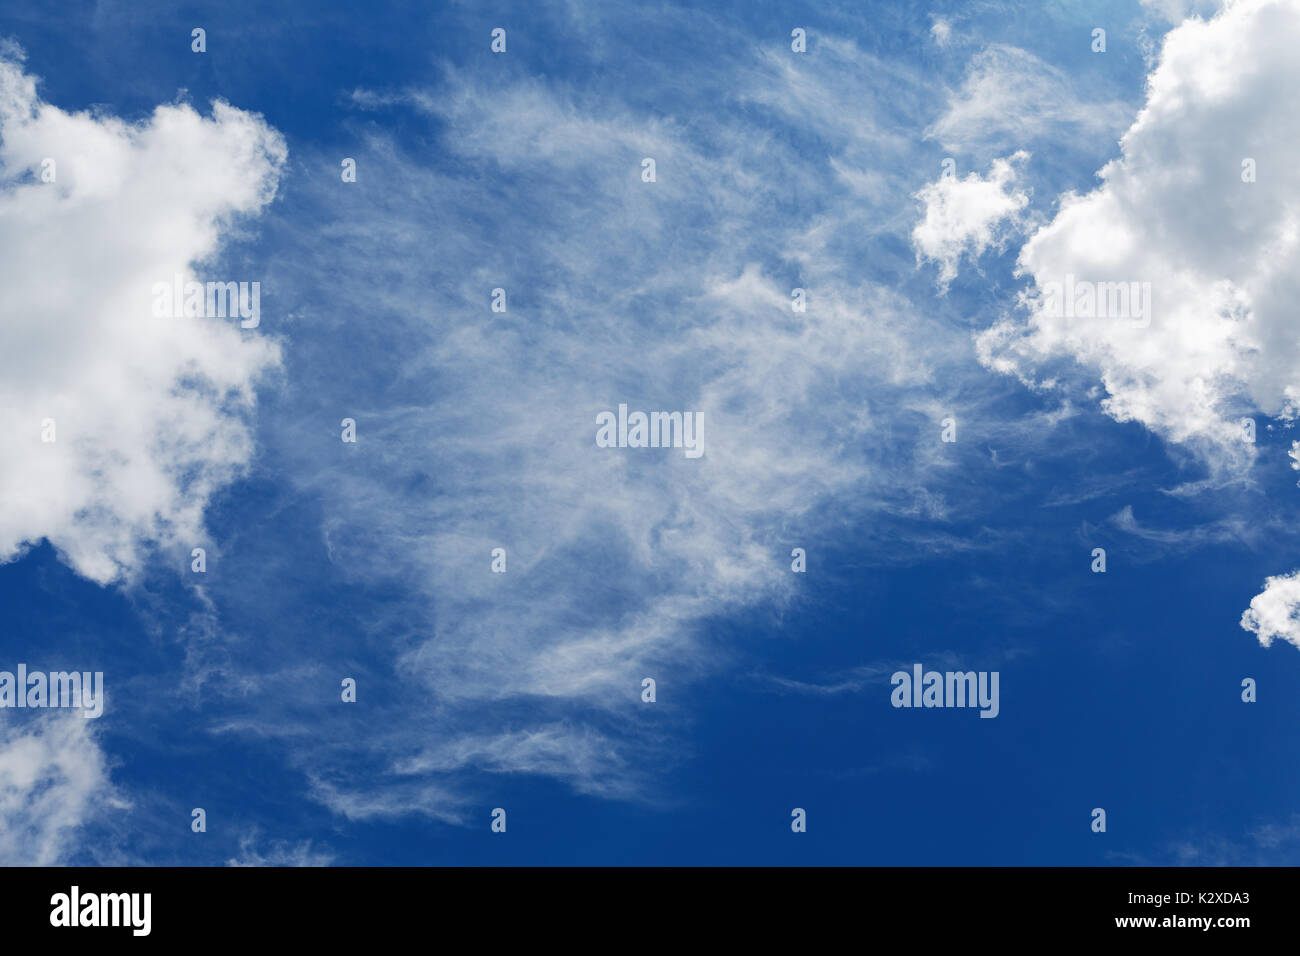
1011	96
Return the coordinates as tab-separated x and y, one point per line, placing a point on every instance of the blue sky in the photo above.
819	170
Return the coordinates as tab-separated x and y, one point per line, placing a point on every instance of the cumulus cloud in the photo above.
968	216
53	779
1275	611
149	414
1219	253
1200	212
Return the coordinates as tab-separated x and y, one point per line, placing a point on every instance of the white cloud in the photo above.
1220	254
476	429
53	779
966	216
150	413
574	753
1010	95
1225	530
1176	11
279	853
1275	611
672	295
390	799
